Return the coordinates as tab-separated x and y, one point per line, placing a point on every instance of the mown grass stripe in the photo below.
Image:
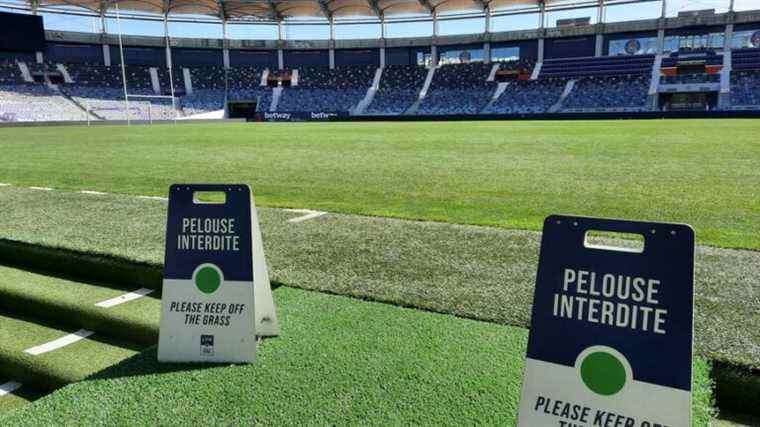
498	173
53	369
59	343
73	303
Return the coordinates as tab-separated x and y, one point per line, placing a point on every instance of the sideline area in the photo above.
364	257
338	361
474	272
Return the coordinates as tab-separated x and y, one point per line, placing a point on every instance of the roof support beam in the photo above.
222	11
426	4
276	15
373	4
482	4
325	9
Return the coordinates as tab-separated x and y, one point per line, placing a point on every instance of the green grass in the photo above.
18	398
509	174
338	362
68	302
56	368
476	272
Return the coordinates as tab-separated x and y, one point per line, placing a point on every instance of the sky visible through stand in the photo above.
646	10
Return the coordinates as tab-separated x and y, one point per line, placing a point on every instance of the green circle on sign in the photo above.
207	279
603	373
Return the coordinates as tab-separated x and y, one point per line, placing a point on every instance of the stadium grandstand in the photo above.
531	57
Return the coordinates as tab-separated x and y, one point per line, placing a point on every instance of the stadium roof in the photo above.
280	9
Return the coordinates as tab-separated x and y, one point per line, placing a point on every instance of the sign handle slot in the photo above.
209	197
615	241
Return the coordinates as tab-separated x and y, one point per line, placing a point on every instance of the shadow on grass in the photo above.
93	268
146	363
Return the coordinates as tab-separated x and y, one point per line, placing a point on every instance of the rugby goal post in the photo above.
146	99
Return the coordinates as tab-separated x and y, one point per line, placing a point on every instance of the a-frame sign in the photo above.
216	294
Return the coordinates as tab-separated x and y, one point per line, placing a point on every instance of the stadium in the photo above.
411	162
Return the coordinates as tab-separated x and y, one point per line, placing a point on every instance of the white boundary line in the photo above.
4	184
9	387
121	299
58	343
309	214
153	198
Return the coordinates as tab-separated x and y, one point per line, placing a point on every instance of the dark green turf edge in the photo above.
738	387
89	317
23	396
83	266
464	372
47	375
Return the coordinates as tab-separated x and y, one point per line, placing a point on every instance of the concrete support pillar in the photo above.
487	12
40	58
225	49
542	15
660	41
107	55
168	44
541	49
599	49
168	57
487	52
382	57
280	59
434	55
331	53
435	24
729	35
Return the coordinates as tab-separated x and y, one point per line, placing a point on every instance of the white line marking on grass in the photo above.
310	214
121	299
9	387
41	188
96	193
60	342
153	198
3	184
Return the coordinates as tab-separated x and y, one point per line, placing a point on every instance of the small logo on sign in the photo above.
207	345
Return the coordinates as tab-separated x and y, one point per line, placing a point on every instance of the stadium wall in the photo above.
348	57
253	58
77	53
